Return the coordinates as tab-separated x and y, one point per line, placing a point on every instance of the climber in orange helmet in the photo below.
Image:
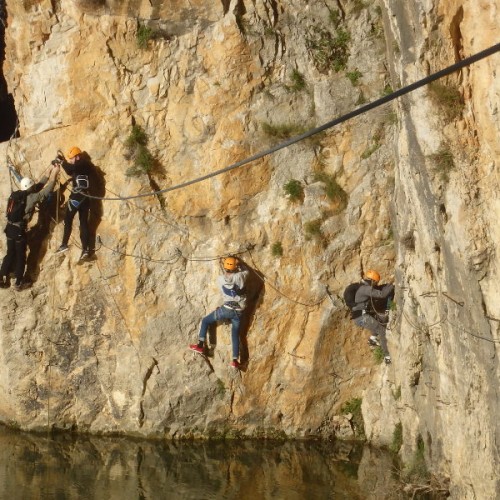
364	314
232	286
79	169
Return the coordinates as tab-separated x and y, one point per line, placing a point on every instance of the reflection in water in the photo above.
68	467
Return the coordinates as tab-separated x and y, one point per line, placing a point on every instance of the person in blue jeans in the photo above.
232	286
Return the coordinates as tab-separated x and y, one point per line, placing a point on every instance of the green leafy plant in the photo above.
333	190
143	36
370	150
448	98
416	470
294	190
298	81
282	131
397	438
220	388
277	249
376	143
137	151
353	406
312	229
387	90
334	17
378	355
358	6
354	76
444	163
328	51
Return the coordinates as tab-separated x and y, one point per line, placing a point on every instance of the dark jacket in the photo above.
366	295
80	178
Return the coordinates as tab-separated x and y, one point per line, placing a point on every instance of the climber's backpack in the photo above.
16	206
350	294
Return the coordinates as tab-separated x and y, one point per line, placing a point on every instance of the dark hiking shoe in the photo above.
3	283
373	341
22	286
387	360
85	255
62	249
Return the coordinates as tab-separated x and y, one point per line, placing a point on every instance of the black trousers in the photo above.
83	210
17	244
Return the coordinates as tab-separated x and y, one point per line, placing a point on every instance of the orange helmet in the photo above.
74	151
372	275
230	264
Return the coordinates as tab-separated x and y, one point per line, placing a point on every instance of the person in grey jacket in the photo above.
232	286
17	241
364	313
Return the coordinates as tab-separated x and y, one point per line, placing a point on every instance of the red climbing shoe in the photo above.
194	347
234	364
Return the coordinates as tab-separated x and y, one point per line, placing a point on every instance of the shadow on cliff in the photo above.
51	212
255	292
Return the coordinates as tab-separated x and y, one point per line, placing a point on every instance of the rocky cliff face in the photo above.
409	189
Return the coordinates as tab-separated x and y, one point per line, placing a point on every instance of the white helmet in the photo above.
26	183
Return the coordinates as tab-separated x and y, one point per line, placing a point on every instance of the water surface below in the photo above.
67	467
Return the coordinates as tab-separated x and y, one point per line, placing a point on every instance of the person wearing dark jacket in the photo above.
17	240
79	169
364	313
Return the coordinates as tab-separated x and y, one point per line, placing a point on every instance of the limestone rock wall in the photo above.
444	387
102	347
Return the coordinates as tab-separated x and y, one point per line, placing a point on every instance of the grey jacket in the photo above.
366	293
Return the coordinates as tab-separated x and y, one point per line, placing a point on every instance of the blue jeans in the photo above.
377	329
220	314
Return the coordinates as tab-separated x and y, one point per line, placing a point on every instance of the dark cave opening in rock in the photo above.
8	114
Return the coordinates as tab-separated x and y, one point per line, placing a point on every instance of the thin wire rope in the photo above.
363	109
265	280
49	382
173	260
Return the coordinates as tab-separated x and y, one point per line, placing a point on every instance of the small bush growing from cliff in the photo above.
416	470
387	90
333	190
277	249
358	6
328	51
354	76
378	355
138	152
282	131
312	229
448	98
144	34
353	407
397	438
334	17
377	142
294	190
443	163
298	81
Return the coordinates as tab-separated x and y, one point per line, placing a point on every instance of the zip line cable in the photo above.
363	109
